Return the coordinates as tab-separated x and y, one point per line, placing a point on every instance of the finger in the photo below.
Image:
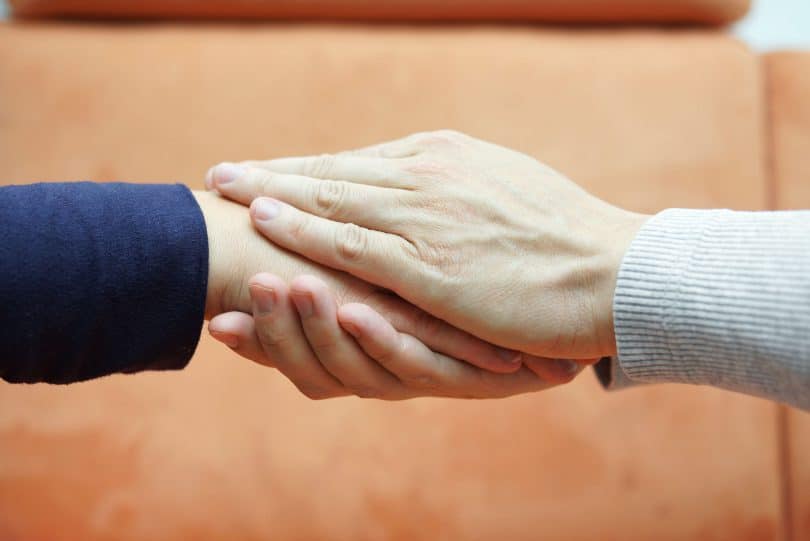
404	147
557	371
337	200
283	340
236	330
373	256
335	349
374	171
424	371
436	334
441	337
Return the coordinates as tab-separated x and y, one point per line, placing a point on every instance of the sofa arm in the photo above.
788	84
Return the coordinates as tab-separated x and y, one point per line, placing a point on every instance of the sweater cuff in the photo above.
98	279
712	297
649	296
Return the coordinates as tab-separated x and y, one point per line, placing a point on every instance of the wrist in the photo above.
222	252
617	241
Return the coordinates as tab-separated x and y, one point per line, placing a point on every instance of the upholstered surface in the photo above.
645	119
226	449
789	89
687	11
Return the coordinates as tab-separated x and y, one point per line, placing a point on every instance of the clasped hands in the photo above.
434	265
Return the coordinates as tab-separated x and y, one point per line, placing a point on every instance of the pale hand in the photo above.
483	237
424	356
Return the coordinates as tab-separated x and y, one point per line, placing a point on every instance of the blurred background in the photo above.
645	115
771	24
776	24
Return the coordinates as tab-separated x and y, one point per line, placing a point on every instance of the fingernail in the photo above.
265	209
303	303
566	366
265	299
226	338
228	172
509	355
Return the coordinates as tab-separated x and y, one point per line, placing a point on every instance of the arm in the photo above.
715	297
97	279
509	250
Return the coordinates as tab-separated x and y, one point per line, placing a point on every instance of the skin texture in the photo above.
432	358
483	237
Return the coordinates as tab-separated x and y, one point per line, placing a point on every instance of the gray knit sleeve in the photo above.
716	297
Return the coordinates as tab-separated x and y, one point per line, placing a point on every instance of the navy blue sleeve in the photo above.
97	279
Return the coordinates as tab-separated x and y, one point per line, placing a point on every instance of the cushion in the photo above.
228	449
682	11
789	86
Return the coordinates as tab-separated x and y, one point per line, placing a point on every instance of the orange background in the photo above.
646	119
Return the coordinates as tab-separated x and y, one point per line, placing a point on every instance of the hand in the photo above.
328	351
237	252
485	238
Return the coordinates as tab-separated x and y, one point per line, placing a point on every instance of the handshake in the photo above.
435	265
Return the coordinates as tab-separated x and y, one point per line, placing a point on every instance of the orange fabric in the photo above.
229	450
688	11
789	84
789	87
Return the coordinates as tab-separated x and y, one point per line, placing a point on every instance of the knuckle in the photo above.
321	166
449	134
351	242
298	226
267	335
263	181
445	137
441	263
439	170
425	168
329	196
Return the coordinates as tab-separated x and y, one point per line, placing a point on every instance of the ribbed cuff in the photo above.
649	295
720	298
